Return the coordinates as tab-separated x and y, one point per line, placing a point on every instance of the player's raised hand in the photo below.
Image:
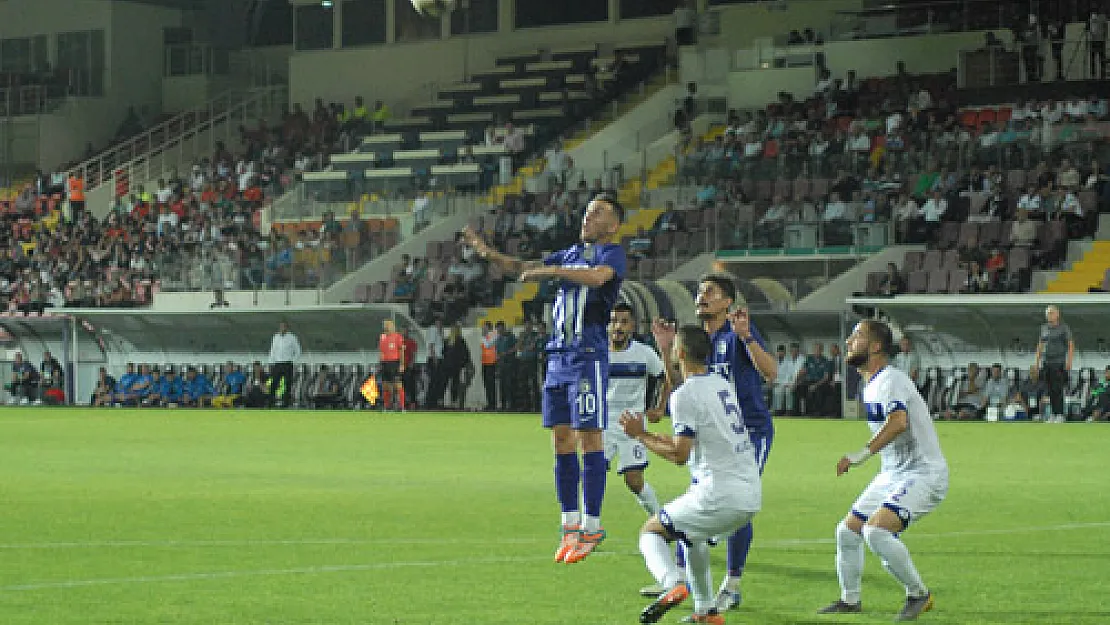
741	322
664	333
632	423
843	465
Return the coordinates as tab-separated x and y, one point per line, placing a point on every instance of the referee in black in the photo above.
1055	352
285	350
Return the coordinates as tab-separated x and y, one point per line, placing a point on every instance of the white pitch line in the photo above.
307	570
346	568
263	543
465	541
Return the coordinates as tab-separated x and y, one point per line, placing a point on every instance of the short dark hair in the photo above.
611	199
696	342
624	307
723	282
879	332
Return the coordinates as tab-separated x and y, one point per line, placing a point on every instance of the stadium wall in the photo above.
404	73
754	88
133	67
340	75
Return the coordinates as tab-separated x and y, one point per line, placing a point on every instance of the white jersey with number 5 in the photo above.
722	461
629	370
917	450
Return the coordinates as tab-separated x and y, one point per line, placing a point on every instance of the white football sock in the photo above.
730	583
701	579
849	562
659	559
648	501
591	523
896	559
572	519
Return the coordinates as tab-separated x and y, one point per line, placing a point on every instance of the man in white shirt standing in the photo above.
912	481
285	350
782	393
710	438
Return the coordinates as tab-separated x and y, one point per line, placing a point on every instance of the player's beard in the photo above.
855	359
620	344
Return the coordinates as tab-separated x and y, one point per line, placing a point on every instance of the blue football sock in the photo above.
738	546
593	482
567	473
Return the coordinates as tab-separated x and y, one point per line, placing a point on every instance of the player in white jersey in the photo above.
912	480
725	493
631	365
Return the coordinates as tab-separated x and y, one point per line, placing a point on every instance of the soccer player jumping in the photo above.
589	277
912	479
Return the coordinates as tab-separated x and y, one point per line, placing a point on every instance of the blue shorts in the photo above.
574	392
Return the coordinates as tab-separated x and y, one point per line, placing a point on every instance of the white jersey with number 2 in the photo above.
722	460
917	450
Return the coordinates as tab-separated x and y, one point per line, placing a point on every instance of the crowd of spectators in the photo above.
196	229
899	151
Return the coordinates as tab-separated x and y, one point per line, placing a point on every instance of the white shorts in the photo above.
690	519
632	454
910	496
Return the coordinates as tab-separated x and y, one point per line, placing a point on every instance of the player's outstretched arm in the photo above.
896	423
508	263
675	449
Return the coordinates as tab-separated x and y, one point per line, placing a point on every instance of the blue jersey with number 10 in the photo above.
580	316
730	359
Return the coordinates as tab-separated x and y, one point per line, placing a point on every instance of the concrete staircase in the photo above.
1088	271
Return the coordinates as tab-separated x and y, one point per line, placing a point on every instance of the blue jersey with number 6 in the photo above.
722	460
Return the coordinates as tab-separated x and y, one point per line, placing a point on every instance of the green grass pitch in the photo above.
153	517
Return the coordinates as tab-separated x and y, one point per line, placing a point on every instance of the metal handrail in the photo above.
100	169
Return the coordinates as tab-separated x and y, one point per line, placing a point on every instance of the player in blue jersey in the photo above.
739	355
589	276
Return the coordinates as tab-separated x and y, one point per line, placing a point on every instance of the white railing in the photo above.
165	146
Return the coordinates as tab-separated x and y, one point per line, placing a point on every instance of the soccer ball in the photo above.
433	8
